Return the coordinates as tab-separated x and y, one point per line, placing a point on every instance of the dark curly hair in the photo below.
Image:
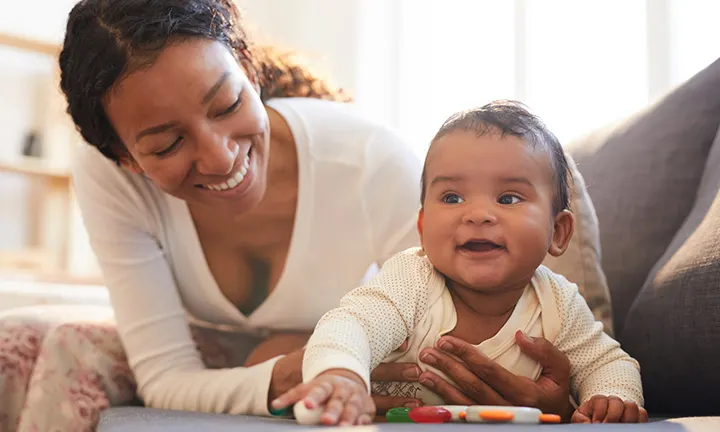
507	117
107	39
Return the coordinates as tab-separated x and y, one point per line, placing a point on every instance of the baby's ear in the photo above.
420	225
562	233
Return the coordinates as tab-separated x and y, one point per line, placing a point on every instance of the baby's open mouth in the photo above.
480	246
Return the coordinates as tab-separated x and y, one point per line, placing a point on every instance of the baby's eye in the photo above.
452	198
509	199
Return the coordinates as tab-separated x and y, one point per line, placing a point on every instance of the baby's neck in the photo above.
488	304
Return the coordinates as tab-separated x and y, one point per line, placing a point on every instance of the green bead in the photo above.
282	412
398	415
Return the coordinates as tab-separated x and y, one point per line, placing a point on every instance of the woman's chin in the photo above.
238	199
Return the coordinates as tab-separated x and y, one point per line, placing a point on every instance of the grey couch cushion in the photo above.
673	328
145	419
642	176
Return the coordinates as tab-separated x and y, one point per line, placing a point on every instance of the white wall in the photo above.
402	58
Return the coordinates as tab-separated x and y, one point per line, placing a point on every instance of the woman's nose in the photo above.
216	154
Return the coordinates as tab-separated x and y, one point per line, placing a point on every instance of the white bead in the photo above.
456	411
306	416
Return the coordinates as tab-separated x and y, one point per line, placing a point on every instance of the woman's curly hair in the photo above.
107	39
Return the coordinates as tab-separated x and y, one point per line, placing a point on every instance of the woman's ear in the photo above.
562	233
420	225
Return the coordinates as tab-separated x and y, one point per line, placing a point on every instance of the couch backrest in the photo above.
643	175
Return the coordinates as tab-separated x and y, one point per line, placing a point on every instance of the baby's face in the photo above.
487	221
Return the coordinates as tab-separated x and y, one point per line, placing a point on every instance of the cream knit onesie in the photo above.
408	298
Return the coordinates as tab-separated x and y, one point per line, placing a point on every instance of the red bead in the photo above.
430	414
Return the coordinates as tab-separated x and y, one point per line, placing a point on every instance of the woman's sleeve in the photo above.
392	193
151	320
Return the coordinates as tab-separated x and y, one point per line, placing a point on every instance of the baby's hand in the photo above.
609	409
342	394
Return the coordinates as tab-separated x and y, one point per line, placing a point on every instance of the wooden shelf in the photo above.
34	167
49	195
31	45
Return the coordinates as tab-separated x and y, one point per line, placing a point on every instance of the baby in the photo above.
495	200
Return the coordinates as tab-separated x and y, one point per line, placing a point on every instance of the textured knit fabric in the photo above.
409	299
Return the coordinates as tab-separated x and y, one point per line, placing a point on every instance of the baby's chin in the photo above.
481	283
490	280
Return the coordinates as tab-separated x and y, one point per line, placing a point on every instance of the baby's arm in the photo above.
371	322
601	373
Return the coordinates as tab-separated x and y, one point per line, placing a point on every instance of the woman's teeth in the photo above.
235	180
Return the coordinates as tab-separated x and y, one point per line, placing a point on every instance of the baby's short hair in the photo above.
507	117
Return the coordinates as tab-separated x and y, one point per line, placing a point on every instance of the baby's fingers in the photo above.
631	414
336	405
359	410
615	409
583	414
599	408
579	417
290	397
319	392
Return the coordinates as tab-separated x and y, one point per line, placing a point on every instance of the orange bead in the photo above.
497	416
550	418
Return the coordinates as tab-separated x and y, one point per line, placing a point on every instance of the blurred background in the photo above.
579	64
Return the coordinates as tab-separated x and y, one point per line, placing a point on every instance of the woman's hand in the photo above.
483	382
400	372
287	372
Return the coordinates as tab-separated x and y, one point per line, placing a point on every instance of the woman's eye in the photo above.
509	199
452	198
232	108
169	149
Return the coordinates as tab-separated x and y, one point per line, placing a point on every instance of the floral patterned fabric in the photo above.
59	371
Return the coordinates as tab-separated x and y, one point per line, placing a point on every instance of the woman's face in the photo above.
193	123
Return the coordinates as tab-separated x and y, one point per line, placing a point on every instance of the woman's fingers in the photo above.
401	372
472	386
477	381
385	403
513	389
448	392
555	364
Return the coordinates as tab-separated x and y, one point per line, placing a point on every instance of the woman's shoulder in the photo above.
101	186
338	131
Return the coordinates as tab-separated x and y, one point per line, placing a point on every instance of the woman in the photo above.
212	201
